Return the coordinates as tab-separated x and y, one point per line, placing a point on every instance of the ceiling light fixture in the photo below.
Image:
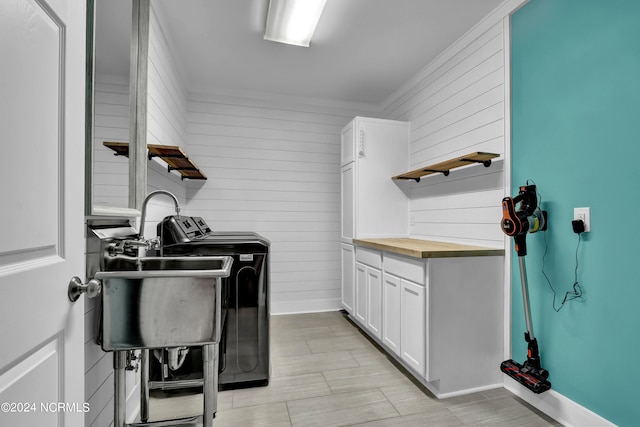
293	21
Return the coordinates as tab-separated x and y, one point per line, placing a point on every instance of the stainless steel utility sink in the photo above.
159	302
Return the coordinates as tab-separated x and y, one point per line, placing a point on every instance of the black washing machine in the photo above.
244	346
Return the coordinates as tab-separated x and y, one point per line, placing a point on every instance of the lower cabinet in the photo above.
348	276
403	324
465	324
374	302
360	309
413	325
391	328
369	298
442	318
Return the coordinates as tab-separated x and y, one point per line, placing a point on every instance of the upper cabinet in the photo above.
372	204
348	144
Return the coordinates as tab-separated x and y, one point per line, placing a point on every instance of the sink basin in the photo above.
158	302
122	263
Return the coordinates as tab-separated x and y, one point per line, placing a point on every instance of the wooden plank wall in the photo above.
457	106
110	189
166	121
111	123
274	168
166	125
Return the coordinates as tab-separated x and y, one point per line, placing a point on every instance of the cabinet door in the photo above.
361	293
348	144
348	201
412	325
391	313
348	277
374	302
382	152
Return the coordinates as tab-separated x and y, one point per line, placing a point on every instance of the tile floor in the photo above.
325	372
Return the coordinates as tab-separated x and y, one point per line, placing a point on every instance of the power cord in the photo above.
576	292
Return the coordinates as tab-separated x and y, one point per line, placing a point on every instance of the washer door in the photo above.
247	289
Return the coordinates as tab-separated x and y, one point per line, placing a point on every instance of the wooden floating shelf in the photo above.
173	155
176	160
446	166
120	148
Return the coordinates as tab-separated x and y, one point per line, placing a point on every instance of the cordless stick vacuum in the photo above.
528	218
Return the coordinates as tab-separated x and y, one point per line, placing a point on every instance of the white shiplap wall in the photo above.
111	123
457	106
273	168
98	373
110	189
166	120
166	124
166	93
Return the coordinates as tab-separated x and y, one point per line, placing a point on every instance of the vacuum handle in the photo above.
521	244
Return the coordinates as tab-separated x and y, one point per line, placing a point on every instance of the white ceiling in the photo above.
362	50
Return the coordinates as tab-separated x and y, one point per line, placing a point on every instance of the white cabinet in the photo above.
369	298
413	325
405	311
373	205
361	293
442	318
368	309
465	323
347	180
391	312
348	276
374	301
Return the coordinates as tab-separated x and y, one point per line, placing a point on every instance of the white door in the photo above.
42	79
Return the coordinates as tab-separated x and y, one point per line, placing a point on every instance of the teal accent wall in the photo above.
576	133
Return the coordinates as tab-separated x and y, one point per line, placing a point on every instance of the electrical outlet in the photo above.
583	214
412	220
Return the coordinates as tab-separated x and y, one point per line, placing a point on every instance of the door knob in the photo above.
77	288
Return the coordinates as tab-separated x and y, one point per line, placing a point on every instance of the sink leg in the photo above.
210	382
144	385
120	389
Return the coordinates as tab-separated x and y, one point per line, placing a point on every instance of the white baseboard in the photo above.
312	306
457	393
560	408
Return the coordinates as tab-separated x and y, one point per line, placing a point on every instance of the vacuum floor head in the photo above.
526	376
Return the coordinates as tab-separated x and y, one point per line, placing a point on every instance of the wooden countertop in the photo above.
427	248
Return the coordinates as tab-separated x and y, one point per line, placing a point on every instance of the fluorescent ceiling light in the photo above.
293	21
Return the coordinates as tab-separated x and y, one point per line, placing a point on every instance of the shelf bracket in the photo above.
408	178
445	172
166	156
486	163
182	177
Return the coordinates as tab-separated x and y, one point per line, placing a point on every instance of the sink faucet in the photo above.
130	245
144	209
